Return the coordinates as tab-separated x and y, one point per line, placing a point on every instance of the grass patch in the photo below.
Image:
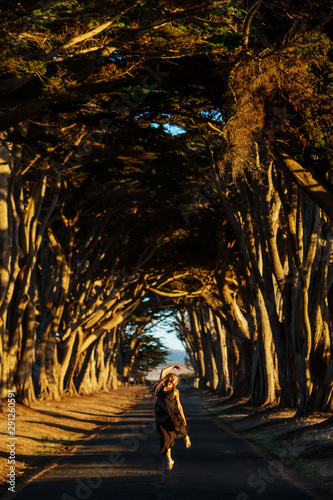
287	456
308	470
52	447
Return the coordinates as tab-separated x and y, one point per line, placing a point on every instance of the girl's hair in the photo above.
157	386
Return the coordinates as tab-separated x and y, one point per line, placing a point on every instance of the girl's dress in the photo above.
170	426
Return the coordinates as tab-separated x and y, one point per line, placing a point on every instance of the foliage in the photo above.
151	354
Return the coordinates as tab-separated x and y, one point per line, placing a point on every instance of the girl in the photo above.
169	415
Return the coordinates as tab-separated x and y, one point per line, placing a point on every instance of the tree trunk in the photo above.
85	381
322	339
5	256
225	388
209	333
23	378
198	346
73	362
264	376
49	378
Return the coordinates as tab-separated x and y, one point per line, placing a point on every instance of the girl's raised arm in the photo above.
168	369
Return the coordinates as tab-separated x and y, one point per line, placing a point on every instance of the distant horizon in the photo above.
175	347
176	356
154	374
174	352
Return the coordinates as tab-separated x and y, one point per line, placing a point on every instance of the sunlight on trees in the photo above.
167	158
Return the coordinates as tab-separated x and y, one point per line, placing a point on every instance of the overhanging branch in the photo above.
321	192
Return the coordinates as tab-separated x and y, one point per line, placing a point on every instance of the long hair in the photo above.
153	390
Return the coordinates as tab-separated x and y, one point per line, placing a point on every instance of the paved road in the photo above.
123	462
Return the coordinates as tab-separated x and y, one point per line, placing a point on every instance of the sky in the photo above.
170	340
168	336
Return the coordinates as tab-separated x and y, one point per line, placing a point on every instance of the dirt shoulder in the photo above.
304	446
51	428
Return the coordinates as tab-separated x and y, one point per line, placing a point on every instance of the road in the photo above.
123	462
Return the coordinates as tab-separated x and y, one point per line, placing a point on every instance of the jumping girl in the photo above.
169	415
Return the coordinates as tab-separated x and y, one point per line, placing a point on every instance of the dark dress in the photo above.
169	423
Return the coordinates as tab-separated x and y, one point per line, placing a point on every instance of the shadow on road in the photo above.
123	462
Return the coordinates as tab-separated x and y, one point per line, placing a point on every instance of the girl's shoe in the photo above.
170	464
187	442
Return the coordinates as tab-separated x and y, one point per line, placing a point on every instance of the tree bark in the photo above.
264	378
225	388
208	332
23	377
320	192
198	346
5	256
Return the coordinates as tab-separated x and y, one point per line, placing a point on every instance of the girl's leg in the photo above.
187	441
170	462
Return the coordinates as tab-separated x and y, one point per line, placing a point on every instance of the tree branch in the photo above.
320	192
247	24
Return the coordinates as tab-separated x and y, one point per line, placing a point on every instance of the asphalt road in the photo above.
123	462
